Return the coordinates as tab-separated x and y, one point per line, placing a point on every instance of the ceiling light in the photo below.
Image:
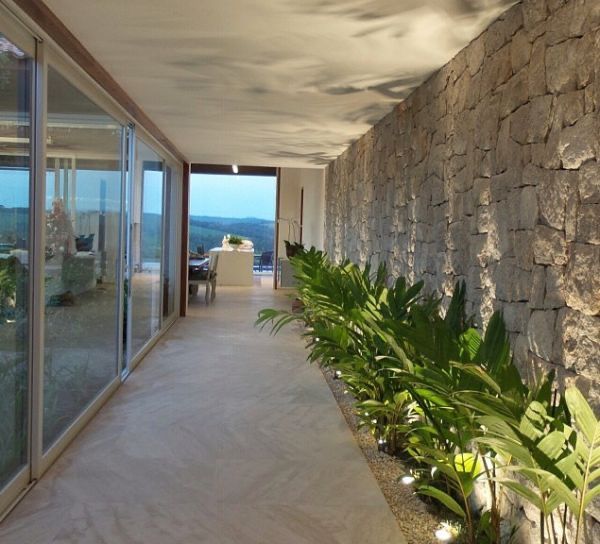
235	168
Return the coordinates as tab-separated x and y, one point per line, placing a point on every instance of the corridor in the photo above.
223	435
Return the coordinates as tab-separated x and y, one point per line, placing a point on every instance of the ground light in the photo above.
446	533
443	535
407	479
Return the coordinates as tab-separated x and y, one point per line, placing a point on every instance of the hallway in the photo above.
223	435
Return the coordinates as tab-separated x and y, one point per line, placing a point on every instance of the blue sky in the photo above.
211	195
232	196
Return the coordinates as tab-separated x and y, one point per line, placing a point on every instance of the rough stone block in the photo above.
579	143
540	333
483	219
515	93
479	251
481	188
570	107
549	246
534	175
496	70
554	297
475	53
589	183
524	249
537	69
508	151
516	316
534	13
588	224
567	22
560	60
528	207
512	283
520	122
487	114
577	345
520	50
538	287
539	117
501	185
552	194
551	159
582	280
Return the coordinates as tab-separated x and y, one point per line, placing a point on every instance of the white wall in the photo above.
292	181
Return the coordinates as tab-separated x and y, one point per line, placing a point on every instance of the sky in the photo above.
232	196
211	195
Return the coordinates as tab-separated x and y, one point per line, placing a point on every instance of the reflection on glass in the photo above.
147	218
170	242
83	207
15	122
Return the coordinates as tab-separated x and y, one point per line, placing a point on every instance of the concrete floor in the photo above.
223	435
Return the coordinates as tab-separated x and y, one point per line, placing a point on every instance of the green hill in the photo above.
209	231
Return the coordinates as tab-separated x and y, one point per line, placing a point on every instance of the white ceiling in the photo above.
271	82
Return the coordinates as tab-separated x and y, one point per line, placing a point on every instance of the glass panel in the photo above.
170	242
15	130
146	233
83	207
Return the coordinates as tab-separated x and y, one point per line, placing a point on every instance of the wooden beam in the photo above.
64	38
185	224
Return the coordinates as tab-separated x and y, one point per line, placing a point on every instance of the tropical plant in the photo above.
234	240
429	385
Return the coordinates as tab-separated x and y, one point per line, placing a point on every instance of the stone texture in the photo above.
497	159
549	246
579	143
560	60
578	345
582	282
540	333
589	182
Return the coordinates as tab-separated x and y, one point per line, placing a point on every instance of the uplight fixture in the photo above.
443	535
235	168
407	479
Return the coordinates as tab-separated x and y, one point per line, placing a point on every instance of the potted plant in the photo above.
234	241
293	248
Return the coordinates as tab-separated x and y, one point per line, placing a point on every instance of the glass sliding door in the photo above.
170	254
15	175
146	231
83	214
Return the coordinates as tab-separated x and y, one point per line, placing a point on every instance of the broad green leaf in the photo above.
442	497
582	414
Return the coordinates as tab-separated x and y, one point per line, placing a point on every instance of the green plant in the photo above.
234	240
430	386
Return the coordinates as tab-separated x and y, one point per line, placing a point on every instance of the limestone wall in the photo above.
489	172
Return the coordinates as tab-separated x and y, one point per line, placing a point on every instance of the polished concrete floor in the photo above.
223	435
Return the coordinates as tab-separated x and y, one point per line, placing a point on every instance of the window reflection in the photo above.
83	206
15	122
147	224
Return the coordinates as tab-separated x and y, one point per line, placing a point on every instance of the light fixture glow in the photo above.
235	168
338	374
407	480
443	535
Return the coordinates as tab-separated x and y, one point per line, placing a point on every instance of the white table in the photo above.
234	266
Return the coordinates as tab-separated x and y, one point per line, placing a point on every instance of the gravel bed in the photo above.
417	520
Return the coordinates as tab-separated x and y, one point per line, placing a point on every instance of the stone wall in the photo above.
489	173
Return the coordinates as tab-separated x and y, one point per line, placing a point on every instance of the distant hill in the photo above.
209	231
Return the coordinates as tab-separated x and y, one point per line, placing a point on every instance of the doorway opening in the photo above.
230	207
